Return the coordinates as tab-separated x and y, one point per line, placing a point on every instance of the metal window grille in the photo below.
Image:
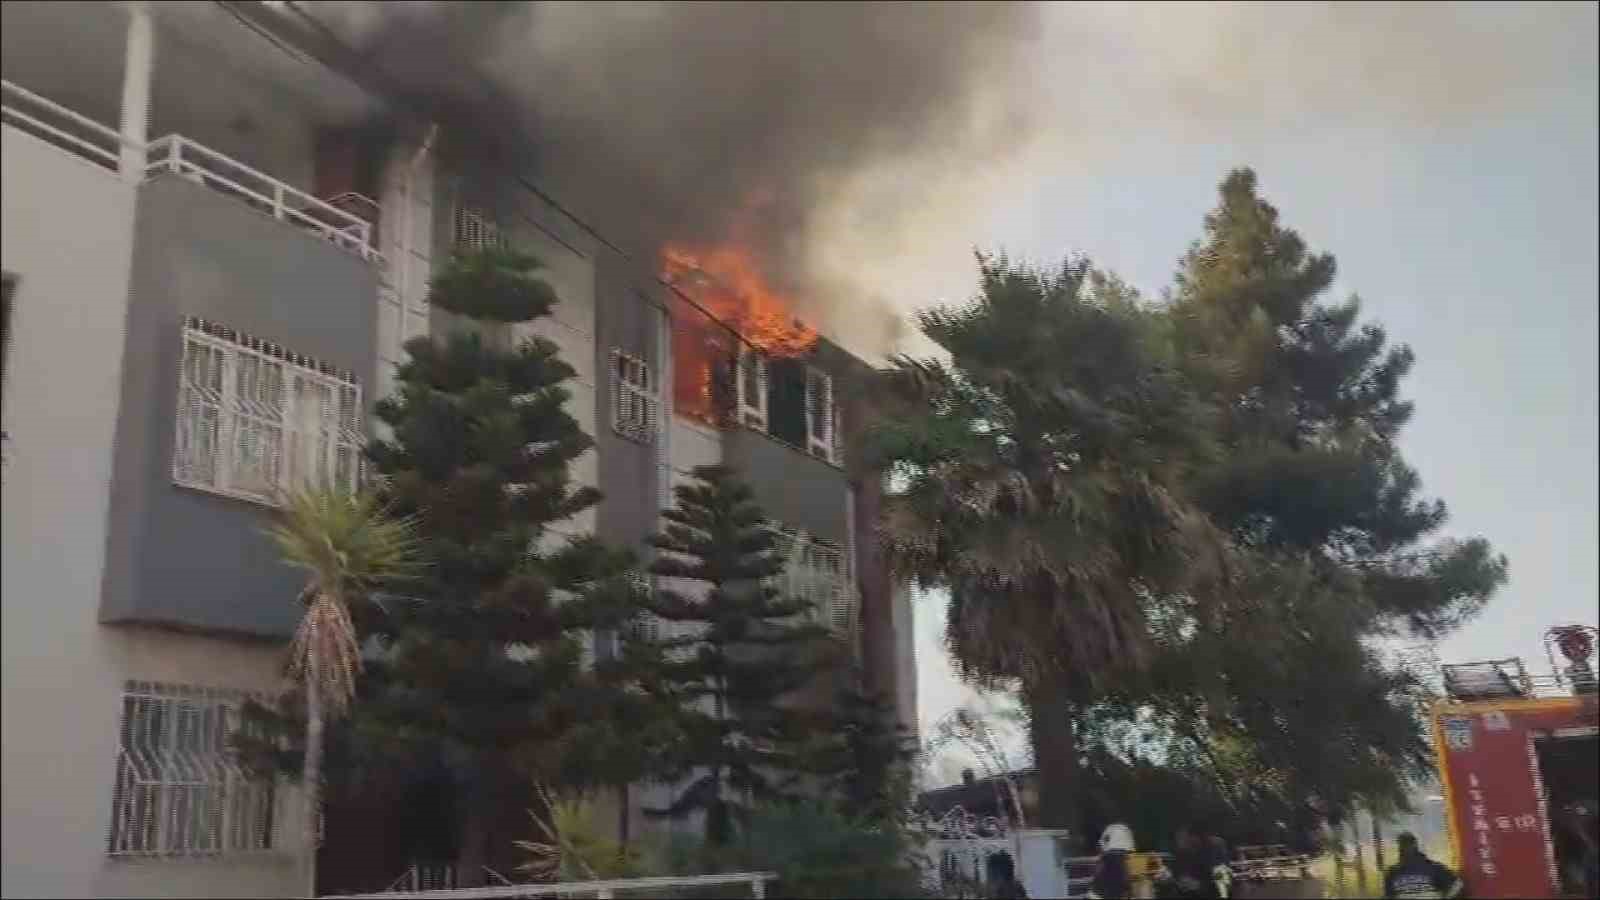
178	790
476	230
818	572
751	388
820	415
635	401
646	627
255	419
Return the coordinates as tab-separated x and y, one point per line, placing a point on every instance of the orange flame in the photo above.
726	281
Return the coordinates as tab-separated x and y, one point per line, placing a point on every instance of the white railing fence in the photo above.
688	885
58	125
175	154
959	866
179	155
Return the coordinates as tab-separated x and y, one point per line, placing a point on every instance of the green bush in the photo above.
819	852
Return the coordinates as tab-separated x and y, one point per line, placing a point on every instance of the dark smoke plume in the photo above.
708	122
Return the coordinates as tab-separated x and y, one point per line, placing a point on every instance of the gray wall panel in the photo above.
794	488
625	319
178	556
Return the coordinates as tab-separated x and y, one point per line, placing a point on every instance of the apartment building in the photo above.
215	243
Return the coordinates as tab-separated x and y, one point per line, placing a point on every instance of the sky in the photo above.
1446	155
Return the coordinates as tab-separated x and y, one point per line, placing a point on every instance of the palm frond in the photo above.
347	544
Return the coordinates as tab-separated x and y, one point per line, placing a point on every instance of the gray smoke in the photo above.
860	148
711	122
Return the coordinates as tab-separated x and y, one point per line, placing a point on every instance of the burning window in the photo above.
739	355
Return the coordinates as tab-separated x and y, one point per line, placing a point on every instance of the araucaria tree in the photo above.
735	654
1322	509
483	656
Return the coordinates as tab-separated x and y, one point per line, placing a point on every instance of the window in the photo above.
821	416
476	229
255	419
646	627
818	572
634	402
751	388
178	790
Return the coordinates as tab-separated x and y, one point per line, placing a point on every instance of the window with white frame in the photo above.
750	388
635	402
821	415
646	627
817	572
255	419
178	790
476	229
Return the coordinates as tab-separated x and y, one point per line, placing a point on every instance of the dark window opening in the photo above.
786	401
1566	764
8	285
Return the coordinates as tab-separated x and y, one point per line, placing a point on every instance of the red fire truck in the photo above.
1517	761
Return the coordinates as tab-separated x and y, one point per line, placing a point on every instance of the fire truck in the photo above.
1517	762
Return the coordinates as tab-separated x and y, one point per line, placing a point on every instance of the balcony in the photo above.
183	157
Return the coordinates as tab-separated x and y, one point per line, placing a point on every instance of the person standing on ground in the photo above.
1111	881
1221	872
1002	878
1416	877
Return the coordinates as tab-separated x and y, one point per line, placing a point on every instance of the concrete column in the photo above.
138	67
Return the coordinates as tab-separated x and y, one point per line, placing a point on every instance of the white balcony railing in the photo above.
756	882
58	125
181	156
184	157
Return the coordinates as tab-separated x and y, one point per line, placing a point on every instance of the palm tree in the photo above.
1038	477
347	545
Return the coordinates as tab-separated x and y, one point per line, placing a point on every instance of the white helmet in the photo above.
1116	837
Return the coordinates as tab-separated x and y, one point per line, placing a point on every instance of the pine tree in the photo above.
862	755
483	657
737	654
1324	514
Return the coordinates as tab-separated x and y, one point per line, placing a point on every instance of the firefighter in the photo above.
1416	876
1111	881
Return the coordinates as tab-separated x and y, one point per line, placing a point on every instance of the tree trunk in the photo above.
477	822
1055	752
1361	865
1377	844
313	775
1338	858
624	821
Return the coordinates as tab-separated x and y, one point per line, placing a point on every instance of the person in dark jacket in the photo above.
1194	865
1416	877
1002	878
1111	881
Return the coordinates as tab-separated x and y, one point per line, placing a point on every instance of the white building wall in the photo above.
405	238
68	235
571	326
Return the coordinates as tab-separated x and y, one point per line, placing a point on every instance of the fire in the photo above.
728	283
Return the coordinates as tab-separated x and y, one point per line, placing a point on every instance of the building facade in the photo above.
215	246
